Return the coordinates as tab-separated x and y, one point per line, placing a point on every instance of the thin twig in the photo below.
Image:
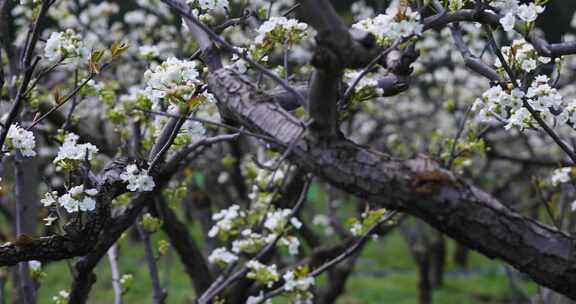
158	294
115	270
61	103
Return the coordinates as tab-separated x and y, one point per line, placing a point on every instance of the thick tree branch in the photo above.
77	240
416	186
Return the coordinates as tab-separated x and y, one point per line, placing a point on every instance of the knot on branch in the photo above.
399	62
428	176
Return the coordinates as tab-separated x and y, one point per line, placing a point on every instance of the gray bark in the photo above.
417	186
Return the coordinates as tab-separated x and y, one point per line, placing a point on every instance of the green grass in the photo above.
401	289
399	285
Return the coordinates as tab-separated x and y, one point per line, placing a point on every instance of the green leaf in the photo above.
118	48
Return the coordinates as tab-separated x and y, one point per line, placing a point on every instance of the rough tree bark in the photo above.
417	186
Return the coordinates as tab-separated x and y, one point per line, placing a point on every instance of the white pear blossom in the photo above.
66	45
78	199
138	179
71	150
292	243
529	12
519	119
561	176
225	220
296	223
356	229
508	22
62	297
279	31
277	220
262	273
21	140
251	242
396	23
173	77
222	256
211	6
292	283
529	65
522	55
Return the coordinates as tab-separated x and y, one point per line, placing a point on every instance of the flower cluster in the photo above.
66	45
210	6
227	220
507	105
126	281
261	273
521	56
251	242
175	80
138	179
561	176
277	31
293	283
512	12
542	97
368	218
77	199
398	22
205	10
21	140
61	298
263	181
276	220
496	104
298	283
222	256
71	153
292	243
